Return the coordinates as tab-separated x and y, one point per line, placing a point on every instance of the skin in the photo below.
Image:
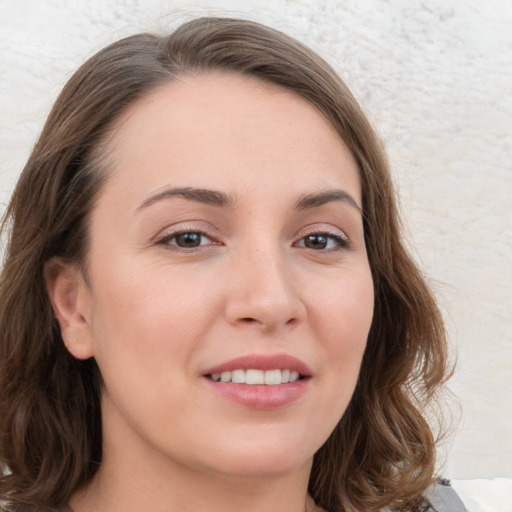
262	280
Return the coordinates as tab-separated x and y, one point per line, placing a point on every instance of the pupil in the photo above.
189	240
316	241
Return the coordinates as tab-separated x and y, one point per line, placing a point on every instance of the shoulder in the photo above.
443	498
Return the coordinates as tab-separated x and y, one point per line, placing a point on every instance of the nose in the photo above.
263	293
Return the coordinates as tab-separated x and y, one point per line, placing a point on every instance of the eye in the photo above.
323	241
186	239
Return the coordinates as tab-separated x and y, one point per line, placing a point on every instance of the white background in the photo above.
435	78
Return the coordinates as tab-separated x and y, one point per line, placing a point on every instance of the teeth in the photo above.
238	376
254	377
273	377
257	377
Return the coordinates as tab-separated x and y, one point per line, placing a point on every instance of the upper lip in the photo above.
262	362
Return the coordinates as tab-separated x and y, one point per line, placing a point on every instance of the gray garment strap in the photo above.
444	499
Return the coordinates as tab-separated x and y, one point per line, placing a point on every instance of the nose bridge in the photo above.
263	292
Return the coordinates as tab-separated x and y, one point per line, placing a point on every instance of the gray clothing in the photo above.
444	499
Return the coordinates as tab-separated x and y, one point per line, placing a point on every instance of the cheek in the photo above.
152	318
347	304
147	330
343	316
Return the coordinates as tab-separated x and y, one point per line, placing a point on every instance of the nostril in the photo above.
250	320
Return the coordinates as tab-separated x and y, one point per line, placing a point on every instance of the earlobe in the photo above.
70	299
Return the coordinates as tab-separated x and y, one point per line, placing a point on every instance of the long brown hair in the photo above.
381	453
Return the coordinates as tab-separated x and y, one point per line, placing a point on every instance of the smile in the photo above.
257	377
260	381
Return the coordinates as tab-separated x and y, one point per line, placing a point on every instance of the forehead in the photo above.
217	127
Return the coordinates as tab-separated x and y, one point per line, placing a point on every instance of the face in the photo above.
228	295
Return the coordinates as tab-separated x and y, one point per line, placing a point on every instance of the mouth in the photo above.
259	389
261	379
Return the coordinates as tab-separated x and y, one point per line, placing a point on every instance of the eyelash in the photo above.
340	242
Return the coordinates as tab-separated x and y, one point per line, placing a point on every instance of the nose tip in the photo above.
264	296
265	320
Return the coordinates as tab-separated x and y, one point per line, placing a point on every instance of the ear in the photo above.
71	302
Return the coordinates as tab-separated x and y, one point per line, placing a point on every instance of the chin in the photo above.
264	459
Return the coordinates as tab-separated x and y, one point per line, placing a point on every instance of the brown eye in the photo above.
315	241
188	240
323	242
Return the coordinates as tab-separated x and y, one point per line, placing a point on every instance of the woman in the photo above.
206	303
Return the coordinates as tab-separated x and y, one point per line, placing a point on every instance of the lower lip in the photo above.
260	396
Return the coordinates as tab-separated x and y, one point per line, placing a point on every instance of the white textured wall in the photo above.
434	76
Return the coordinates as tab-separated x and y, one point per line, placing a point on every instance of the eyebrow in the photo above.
222	200
200	195
327	196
